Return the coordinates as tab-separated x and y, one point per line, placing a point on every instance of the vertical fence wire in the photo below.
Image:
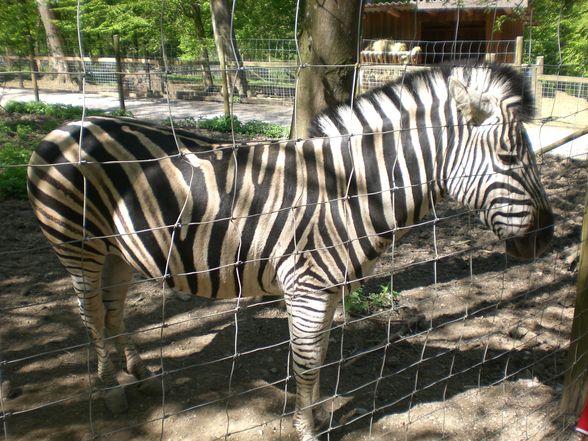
237	314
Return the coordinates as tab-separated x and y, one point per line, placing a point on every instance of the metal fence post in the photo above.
119	73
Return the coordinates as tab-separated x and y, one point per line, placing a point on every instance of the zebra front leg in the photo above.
309	318
116	277
87	287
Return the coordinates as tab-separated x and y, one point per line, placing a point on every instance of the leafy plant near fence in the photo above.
20	135
222	124
62	111
365	303
12	172
559	34
226	123
17	140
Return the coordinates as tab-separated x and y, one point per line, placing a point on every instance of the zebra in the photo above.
304	219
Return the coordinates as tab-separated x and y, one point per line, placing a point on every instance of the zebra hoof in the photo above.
115	400
306	436
321	416
152	386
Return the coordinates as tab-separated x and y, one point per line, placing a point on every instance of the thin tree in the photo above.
328	52
226	44
195	13
54	41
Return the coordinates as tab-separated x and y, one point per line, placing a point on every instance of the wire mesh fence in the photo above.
270	70
456	340
435	52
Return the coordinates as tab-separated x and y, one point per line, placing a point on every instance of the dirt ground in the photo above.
475	350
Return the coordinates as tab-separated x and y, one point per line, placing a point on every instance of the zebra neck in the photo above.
403	142
385	184
460	167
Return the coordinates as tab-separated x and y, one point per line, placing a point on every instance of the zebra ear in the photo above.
474	106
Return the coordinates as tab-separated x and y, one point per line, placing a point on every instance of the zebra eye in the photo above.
508	159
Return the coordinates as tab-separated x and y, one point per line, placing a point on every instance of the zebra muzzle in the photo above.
533	243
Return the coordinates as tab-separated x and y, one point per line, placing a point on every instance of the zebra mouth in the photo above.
533	243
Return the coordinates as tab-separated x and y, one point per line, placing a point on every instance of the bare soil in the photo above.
475	350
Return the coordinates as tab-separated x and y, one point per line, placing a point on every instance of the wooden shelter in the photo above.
464	28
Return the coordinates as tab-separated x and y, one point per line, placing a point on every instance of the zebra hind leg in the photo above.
92	311
309	318
116	278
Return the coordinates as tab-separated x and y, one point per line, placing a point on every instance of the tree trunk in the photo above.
221	18
328	40
201	36
575	390
223	67
54	41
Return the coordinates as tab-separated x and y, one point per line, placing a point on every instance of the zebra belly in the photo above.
196	263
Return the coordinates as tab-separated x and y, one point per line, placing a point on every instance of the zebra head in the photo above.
497	174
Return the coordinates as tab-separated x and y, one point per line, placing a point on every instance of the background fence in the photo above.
473	345
270	69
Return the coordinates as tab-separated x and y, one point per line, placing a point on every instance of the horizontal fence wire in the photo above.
461	330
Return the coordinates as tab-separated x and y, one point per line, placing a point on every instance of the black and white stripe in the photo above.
299	218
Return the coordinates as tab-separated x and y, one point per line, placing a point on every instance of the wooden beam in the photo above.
562	141
575	388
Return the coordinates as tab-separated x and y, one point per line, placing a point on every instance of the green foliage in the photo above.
21	130
61	111
265	19
4	131
560	35
117	112
360	303
517	14
13	171
40	108
226	124
138	22
19	135
356	303
19	18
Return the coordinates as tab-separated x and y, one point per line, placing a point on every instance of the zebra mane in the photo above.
502	81
499	80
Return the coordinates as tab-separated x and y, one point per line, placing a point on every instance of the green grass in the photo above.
360	303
